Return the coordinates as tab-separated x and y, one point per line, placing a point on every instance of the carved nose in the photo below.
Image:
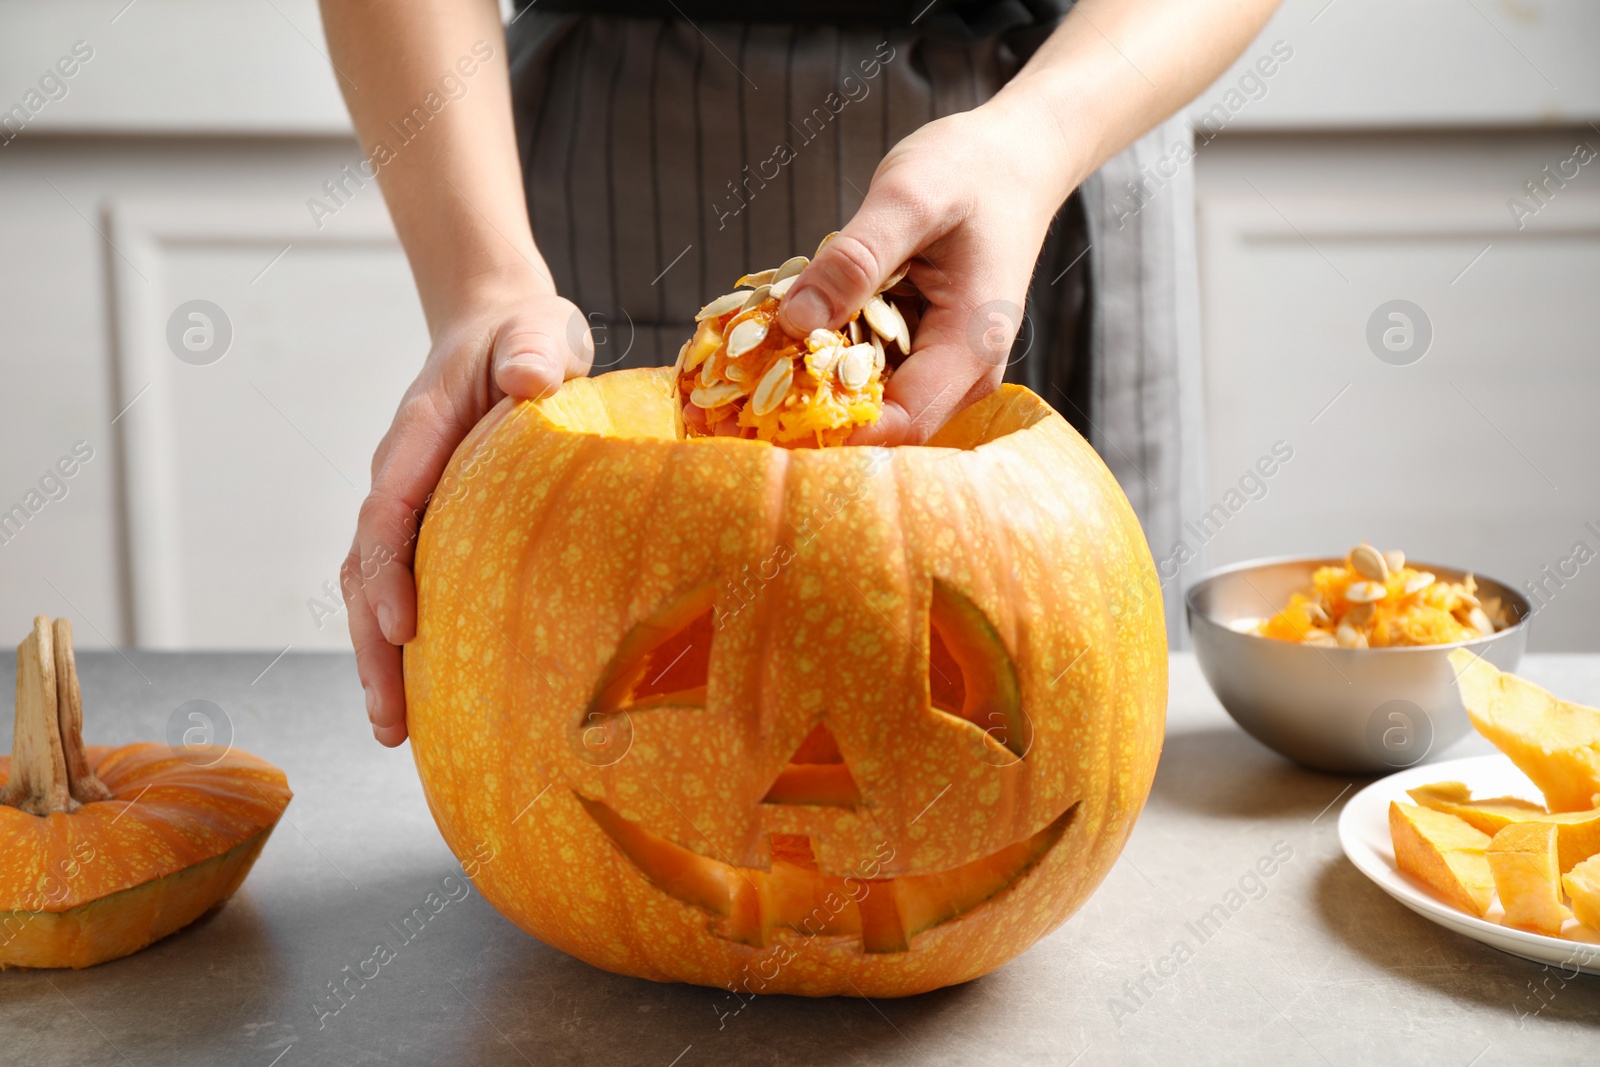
816	774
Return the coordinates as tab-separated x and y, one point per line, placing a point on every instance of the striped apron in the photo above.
666	156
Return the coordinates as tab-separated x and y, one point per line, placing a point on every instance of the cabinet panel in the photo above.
1475	450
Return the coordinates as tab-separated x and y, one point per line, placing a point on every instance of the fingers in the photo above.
532	350
530	359
951	366
378	663
377	578
886	232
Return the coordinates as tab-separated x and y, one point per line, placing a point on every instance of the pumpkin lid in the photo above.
78	824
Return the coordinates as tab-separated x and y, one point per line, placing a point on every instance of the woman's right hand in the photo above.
508	338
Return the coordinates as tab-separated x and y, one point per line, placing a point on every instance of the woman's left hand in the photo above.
967	199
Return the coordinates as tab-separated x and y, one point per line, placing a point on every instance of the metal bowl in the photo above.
1347	710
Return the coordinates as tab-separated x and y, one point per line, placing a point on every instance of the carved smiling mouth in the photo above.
886	913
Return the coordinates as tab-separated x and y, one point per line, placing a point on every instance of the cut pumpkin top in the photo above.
165	814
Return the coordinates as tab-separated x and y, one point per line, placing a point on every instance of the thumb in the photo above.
532	356
853	265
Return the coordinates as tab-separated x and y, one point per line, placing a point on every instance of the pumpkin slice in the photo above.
1445	852
103	851
1554	742
1582	884
1578	831
1523	859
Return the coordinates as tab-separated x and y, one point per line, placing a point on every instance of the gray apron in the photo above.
665	157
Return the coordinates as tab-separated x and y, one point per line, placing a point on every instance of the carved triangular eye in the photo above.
815	774
970	673
663	662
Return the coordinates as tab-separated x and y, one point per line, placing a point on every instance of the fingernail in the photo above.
807	309
372	703
386	621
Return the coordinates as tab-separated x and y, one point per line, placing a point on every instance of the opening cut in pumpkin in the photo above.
748	904
644	403
971	675
815	774
664	661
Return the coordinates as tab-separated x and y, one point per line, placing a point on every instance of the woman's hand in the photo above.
508	339
967	199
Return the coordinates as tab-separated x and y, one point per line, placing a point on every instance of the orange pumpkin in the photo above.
831	721
104	850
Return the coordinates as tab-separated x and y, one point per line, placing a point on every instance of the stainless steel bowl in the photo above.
1347	710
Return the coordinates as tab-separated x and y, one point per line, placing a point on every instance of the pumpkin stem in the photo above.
49	766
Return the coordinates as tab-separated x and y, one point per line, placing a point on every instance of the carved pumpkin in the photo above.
104	850
832	721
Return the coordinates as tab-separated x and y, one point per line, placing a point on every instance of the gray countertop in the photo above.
1323	968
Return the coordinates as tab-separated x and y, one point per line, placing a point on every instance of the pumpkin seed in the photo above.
855	367
822	361
677	365
1320	639
854	330
711	370
1361	615
877	354
721	306
736	372
902	335
790	268
758	278
773	389
1315	613
1395	558
1480	622
820	338
896	278
1418	582
1369	563
1365	592
1348	636
782	285
709	396
880	316
755	298
887	322
1468	599
823	243
745	336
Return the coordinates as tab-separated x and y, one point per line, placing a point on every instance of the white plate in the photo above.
1364	834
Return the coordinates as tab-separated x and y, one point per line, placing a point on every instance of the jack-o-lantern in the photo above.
830	721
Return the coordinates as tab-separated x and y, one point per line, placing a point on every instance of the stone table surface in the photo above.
1322	968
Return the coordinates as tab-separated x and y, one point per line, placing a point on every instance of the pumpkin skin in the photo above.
916	704
165	838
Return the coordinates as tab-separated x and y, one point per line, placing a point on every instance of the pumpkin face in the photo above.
858	721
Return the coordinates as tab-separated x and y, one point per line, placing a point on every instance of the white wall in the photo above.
1373	164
